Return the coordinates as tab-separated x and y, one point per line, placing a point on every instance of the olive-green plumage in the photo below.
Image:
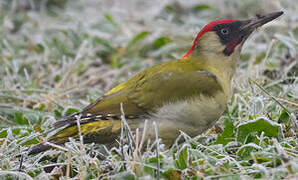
163	83
188	94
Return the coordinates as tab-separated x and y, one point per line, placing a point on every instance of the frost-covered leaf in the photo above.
245	150
151	163
258	125
228	134
182	158
266	158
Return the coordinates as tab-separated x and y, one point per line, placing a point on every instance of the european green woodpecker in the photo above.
187	94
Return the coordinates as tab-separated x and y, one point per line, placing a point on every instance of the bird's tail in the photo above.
96	128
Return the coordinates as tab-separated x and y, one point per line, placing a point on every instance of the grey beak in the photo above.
254	23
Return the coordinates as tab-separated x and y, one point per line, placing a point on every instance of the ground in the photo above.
58	56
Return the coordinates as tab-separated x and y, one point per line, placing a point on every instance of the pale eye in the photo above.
224	31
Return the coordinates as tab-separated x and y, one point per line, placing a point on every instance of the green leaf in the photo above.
284	117
20	119
16	131
201	7
267	159
245	150
182	159
136	39
39	48
228	134
110	19
57	113
161	41
152	161
259	125
70	111
30	142
57	78
3	133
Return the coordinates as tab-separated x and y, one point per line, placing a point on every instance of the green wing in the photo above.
150	89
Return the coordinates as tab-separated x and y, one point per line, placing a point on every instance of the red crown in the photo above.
208	28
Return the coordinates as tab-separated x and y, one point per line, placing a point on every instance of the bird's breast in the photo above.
192	116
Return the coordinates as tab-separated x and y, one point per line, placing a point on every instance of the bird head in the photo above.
225	37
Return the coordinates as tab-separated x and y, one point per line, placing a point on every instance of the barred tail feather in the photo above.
97	128
84	118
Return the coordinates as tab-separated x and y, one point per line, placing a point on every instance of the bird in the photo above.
188	94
